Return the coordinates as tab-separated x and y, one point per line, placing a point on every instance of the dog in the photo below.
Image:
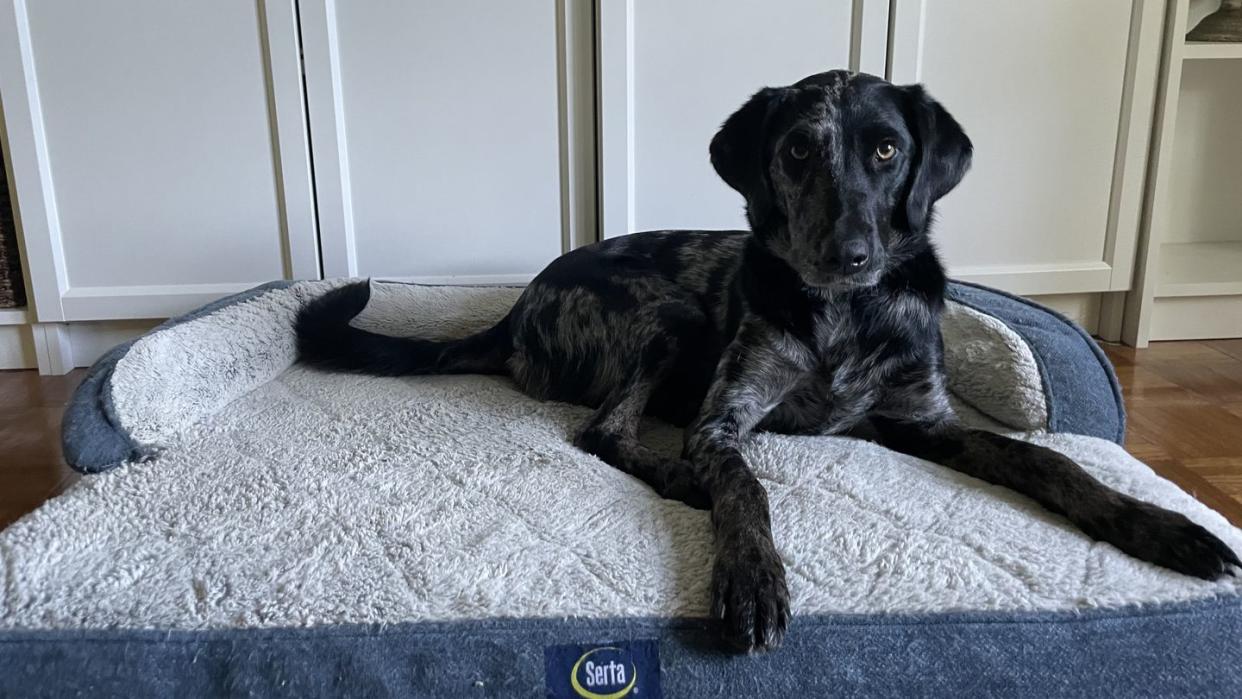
823	318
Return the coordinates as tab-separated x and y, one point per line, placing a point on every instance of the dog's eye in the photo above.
799	151
886	150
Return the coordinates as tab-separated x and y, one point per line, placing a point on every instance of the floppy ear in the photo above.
944	154
737	152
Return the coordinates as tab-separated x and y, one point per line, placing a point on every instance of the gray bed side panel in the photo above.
1189	649
1082	390
92	438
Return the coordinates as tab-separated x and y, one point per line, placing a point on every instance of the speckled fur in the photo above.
822	319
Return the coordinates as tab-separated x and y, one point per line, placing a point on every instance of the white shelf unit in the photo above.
1206	50
1200	269
1188	273
13	316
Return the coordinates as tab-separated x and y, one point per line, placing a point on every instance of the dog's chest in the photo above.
840	389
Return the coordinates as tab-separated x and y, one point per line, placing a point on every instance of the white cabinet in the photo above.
165	154
1057	97
671	71
441	136
150	175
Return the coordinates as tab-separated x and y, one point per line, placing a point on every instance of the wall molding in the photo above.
30	174
290	137
326	112
1066	278
138	302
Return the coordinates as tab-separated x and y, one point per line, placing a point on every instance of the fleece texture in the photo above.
144	394
1083	394
327	499
285	496
992	369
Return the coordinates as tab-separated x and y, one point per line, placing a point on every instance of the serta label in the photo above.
603	671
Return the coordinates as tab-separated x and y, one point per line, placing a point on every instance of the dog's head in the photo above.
840	172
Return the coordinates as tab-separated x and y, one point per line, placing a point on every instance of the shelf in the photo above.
13	316
1200	269
1200	50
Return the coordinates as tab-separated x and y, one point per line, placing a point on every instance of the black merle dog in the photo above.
824	318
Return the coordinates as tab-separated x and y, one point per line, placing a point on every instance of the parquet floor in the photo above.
1184	406
31	466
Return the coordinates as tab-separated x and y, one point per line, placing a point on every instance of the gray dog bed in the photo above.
263	527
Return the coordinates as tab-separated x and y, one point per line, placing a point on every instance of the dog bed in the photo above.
265	528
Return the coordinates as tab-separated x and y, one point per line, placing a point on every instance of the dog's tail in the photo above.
326	339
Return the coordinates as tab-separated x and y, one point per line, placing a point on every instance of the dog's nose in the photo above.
852	256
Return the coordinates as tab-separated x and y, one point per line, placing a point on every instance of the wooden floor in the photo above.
32	468
1184	405
1184	401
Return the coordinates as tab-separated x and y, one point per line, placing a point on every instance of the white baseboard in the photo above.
91	340
87	341
1043	279
94	303
1083	309
17	348
1196	318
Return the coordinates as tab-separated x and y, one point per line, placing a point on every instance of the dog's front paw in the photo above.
749	594
1169	539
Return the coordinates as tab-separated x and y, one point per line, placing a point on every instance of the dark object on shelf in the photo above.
12	290
1224	24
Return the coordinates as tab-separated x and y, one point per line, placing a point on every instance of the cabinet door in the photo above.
671	71
158	151
1057	96
441	135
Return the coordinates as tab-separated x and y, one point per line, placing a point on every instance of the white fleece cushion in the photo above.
323	498
991	368
171	379
287	496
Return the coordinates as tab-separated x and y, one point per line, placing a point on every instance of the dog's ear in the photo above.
737	152
944	153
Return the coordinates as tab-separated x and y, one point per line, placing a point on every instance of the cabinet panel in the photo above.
439	125
671	72
163	168
143	139
1057	99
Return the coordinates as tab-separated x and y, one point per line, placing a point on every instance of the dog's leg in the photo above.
612	435
749	593
675	326
1143	530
